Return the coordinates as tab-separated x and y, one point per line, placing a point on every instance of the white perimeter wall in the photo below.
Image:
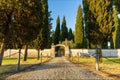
31	52
47	52
105	52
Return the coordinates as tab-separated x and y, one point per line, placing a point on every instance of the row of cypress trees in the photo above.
61	33
95	25
24	22
102	22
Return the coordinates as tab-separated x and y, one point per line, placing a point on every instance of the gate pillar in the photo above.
53	50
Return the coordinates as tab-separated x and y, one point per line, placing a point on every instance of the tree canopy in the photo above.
100	25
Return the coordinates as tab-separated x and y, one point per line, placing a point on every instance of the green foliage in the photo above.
27	19
79	28
117	4
115	21
64	30
98	20
43	37
85	45
22	21
52	36
118	36
70	35
6	11
57	31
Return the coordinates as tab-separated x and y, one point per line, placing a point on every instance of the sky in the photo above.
67	8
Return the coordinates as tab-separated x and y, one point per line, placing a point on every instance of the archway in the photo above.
59	50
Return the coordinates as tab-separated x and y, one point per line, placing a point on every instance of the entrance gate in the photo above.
66	48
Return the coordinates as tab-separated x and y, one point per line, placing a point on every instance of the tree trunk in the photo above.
26	53
2	52
38	54
99	53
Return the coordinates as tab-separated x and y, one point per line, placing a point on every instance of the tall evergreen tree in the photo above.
100	28
41	41
118	36
64	30
25	24
87	21
46	29
115	21
49	29
57	31
79	28
70	35
6	11
52	36
29	20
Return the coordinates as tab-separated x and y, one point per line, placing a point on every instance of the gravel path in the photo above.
57	69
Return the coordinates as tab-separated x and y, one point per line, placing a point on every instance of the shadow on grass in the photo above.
115	60
92	68
8	70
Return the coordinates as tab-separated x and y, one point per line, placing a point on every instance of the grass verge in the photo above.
110	67
9	65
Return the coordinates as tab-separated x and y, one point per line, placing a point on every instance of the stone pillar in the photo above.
67	51
53	50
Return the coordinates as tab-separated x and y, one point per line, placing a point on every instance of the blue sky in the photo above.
67	8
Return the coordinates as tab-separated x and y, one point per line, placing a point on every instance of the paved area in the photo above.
57	69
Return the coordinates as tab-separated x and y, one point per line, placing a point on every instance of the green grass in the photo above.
9	65
92	59
111	60
8	61
109	65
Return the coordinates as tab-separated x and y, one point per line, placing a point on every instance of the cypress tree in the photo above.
6	11
52	36
64	30
57	31
46	29
118	36
70	35
87	21
79	28
101	20
41	41
115	21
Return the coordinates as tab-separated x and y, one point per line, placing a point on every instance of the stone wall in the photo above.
31	53
74	52
105	52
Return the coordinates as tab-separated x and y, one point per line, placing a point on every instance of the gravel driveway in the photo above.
57	69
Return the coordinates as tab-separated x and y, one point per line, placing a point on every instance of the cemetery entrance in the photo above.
59	51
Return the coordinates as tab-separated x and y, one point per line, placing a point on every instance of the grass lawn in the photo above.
9	65
109	66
